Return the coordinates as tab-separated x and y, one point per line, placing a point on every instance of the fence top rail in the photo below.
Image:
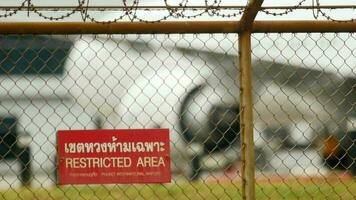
170	27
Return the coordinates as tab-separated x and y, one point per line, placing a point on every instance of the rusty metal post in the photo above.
246	117
246	102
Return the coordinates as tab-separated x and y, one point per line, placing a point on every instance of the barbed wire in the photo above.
287	11
133	11
68	14
316	4
13	11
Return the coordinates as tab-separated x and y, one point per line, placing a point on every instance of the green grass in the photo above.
198	190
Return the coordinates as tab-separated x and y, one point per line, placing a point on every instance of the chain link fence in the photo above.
304	111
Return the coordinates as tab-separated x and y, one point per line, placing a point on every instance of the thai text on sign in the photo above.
113	156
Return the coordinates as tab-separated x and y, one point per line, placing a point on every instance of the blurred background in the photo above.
303	87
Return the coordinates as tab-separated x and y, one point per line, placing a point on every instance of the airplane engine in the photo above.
219	132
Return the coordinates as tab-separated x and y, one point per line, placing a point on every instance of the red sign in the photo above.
113	156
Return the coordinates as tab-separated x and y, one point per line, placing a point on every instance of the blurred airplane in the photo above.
166	81
187	83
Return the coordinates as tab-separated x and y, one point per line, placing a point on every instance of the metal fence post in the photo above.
246	116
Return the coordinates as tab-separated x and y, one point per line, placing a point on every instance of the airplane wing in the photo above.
317	89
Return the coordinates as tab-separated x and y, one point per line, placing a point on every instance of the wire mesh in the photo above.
304	115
